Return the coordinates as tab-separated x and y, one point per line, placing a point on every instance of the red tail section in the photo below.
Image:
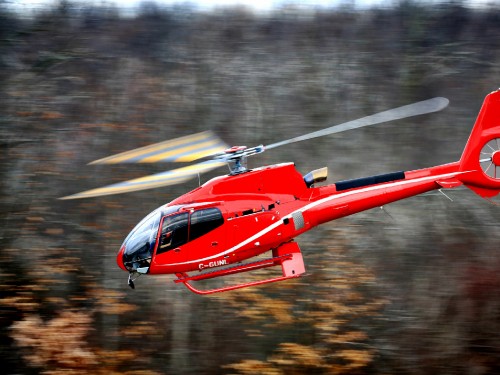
481	156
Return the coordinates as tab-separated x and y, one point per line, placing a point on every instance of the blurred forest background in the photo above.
413	292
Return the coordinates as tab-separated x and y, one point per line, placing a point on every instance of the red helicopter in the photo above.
210	231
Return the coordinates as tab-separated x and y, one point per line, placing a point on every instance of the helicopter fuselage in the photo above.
265	208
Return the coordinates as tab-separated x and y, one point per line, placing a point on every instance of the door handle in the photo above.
215	243
177	249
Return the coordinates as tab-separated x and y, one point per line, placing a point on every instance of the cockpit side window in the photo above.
175	229
203	221
174	232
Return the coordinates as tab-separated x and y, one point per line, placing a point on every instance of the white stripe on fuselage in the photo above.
315	204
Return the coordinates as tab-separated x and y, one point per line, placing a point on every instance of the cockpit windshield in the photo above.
177	228
140	243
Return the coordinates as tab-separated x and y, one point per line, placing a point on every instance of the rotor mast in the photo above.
236	157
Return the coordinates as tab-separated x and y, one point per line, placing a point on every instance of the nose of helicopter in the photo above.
119	258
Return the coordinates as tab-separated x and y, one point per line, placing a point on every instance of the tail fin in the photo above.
481	157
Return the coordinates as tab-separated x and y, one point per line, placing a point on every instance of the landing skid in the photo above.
288	256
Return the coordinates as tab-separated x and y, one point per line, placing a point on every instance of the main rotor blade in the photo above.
168	178
415	109
183	149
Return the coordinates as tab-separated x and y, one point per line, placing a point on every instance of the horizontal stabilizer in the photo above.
449	183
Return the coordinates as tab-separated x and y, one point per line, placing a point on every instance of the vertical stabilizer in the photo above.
481	156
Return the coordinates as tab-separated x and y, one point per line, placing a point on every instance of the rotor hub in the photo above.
495	158
235	149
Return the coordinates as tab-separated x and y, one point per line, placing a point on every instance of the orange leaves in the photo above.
141	329
59	346
261	308
301	356
353	359
111	302
23	303
35	219
335	309
58	265
42	344
54	231
51	115
45	115
112	359
251	367
348	337
293	358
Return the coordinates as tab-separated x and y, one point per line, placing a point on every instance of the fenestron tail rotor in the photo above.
489	158
207	145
